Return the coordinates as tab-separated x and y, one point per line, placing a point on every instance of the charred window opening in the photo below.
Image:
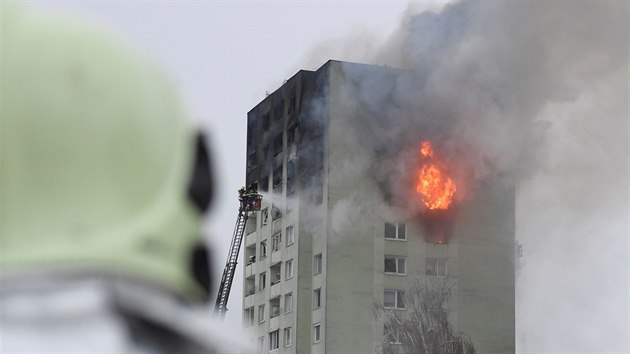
266	122
278	110
291	178
251	161
277	144
277	176
266	154
264	184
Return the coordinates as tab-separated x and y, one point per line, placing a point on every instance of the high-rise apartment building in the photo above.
332	238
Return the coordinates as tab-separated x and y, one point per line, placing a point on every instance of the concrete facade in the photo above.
307	154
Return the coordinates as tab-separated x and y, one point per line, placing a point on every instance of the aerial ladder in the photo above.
250	201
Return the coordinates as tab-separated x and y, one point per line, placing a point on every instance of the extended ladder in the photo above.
250	201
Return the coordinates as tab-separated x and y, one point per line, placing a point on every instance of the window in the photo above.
261	344
277	144
288	269
288	337
263	249
250	285
290	236
394	299
275	273
275	241
265	121
436	267
317	333
264	217
391	335
395	231
277	176
261	313
317	264
395	264
262	280
248	316
274	340
288	302
264	184
317	298
274	307
276	213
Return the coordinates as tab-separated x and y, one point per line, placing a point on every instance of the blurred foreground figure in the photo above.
103	189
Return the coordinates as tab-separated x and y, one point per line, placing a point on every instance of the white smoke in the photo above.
537	91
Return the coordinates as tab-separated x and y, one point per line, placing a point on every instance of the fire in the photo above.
434	186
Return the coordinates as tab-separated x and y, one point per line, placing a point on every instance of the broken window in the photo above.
436	267
395	264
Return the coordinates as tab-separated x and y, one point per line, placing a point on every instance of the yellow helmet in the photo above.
97	162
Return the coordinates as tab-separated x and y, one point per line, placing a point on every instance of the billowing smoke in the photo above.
537	91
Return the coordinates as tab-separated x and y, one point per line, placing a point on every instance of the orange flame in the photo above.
435	188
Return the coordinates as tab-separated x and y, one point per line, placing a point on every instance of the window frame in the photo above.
262	281
288	306
290	240
261	313
276	240
288	269
317	295
317	332
397	260
398	226
288	333
440	271
318	261
263	249
276	341
398	297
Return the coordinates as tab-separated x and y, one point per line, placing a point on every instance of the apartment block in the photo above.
329	241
